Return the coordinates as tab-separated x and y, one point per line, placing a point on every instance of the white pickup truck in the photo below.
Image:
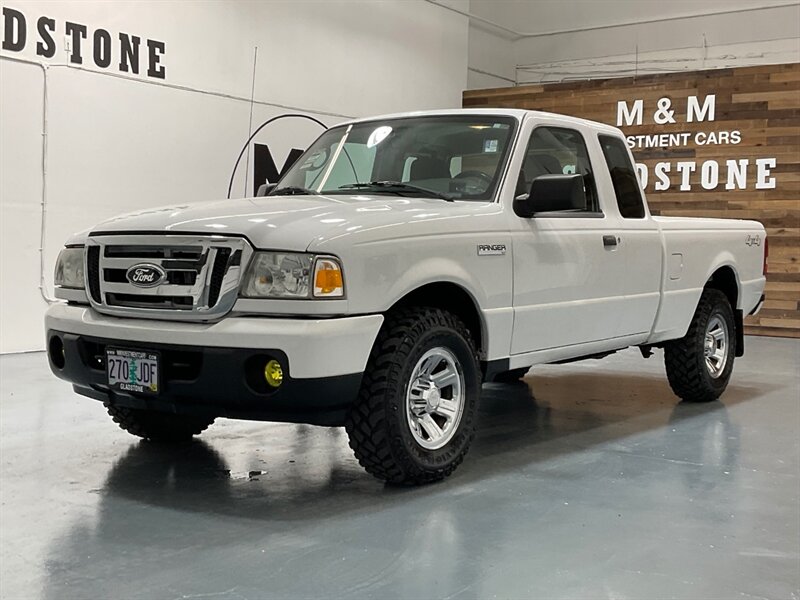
401	262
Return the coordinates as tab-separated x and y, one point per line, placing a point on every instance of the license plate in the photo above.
132	371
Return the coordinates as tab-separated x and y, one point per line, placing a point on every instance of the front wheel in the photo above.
414	417
699	365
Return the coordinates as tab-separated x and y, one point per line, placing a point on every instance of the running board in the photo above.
596	356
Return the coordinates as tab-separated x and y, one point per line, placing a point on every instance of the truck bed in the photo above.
694	249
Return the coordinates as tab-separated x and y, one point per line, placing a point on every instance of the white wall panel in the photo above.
766	36
491	59
546	16
556	40
120	143
21	306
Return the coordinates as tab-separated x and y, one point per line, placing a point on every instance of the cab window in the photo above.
623	176
558	151
460	157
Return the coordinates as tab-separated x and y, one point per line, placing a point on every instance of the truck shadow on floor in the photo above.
581	410
524	428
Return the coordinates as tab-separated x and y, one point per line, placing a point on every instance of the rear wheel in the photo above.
699	365
158	426
414	417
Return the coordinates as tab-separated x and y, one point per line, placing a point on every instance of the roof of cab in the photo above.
517	113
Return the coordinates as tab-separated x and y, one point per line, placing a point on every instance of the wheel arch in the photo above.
454	298
726	280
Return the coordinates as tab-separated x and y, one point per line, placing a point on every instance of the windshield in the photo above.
458	157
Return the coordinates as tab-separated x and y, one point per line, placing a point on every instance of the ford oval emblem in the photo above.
146	275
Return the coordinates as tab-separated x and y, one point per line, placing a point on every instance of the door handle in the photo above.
610	241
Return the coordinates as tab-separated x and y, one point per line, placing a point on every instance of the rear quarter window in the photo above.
623	177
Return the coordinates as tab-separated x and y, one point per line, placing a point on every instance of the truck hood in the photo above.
292	223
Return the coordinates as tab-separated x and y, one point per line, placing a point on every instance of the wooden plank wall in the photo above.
761	103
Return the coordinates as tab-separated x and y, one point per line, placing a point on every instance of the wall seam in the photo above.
174	86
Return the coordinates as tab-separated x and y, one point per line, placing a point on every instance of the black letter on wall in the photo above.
264	169
11	16
153	70
129	53
102	48
77	32
46	47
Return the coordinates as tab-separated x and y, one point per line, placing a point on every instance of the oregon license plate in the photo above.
132	370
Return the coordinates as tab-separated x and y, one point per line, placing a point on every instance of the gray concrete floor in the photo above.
588	481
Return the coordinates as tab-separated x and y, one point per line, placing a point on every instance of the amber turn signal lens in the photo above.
328	280
273	373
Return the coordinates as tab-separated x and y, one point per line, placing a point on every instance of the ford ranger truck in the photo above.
400	262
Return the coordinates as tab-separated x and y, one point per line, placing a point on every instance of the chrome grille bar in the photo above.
216	263
126	263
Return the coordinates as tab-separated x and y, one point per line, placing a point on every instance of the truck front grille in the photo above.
200	280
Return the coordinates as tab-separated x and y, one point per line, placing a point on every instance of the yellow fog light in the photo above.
273	373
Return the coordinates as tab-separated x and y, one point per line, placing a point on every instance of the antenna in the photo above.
250	123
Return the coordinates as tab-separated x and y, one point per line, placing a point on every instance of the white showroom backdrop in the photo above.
549	41
109	142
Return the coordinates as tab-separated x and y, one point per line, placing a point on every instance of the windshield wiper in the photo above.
292	190
397	186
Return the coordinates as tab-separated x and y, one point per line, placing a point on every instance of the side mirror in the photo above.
552	193
264	189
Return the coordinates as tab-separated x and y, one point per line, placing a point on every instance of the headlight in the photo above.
69	269
293	275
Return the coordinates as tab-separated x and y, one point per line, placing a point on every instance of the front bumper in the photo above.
215	369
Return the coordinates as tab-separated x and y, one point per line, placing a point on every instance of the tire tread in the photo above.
684	357
156	426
